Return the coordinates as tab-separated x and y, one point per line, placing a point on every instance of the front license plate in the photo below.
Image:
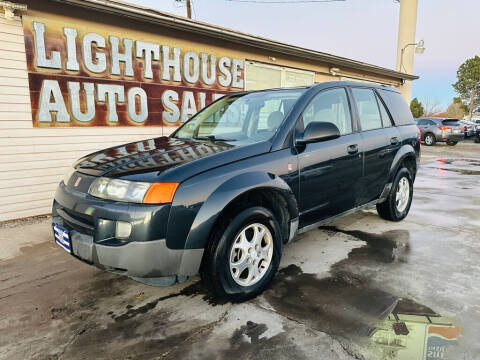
62	237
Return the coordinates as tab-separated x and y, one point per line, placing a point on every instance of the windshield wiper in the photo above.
211	138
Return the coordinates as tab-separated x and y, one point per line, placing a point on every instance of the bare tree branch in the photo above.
432	106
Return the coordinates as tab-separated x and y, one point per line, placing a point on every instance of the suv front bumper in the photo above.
91	225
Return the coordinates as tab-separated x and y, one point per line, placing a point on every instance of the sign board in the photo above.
440	341
87	76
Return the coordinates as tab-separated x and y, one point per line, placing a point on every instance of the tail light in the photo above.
443	127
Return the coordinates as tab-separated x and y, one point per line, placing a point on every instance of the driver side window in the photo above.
330	106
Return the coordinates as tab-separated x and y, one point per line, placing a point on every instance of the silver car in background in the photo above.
477	130
440	130
468	128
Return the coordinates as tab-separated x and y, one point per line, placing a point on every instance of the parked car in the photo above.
440	130
468	128
477	130
225	192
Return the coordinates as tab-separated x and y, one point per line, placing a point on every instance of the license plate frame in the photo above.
62	237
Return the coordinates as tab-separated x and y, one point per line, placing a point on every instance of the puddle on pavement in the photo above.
195	289
457	165
348	307
248	342
450	161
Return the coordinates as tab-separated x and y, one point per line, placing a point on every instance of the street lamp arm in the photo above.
419	49
412	44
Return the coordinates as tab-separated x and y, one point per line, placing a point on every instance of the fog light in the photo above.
123	229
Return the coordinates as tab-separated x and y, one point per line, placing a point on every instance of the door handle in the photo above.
352	149
394	140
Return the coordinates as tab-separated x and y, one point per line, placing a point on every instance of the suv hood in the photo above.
164	158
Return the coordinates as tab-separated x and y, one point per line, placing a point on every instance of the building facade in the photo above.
77	76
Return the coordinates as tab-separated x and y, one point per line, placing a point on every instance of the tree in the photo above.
432	107
456	110
459	101
468	83
416	108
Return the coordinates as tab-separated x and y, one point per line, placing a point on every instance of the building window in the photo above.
261	76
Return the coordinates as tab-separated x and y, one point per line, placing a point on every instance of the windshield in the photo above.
247	118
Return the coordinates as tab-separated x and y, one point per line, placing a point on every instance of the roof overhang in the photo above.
145	14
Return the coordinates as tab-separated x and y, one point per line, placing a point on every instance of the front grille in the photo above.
78	222
80	182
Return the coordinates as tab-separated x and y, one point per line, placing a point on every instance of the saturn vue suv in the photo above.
227	190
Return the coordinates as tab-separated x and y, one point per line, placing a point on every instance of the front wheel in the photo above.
452	143
399	200
243	255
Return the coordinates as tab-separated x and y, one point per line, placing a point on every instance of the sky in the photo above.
364	30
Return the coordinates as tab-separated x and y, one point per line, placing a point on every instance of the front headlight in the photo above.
132	191
119	190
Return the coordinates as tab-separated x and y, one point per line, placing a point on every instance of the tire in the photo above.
217	271
390	209
429	139
452	143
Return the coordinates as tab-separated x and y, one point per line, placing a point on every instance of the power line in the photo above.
194	12
285	1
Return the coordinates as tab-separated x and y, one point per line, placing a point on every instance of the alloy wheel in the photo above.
251	254
403	194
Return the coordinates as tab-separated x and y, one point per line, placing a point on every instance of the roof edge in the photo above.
137	12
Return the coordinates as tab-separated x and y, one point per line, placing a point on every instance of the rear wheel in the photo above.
430	139
399	200
452	143
243	255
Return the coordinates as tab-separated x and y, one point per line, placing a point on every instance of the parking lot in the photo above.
359	288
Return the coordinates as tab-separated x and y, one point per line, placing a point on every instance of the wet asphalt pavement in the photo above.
360	288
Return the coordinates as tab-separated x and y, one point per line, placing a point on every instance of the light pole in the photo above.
419	49
189	9
407	24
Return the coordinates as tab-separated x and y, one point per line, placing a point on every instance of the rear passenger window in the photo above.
367	109
330	106
387	122
422	122
397	106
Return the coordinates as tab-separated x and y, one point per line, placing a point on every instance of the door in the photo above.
422	125
426	126
377	143
392	134
330	171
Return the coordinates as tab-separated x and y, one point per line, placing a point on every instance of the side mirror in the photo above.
317	131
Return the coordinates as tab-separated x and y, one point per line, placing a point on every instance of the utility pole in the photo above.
189	9
406	35
188	3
